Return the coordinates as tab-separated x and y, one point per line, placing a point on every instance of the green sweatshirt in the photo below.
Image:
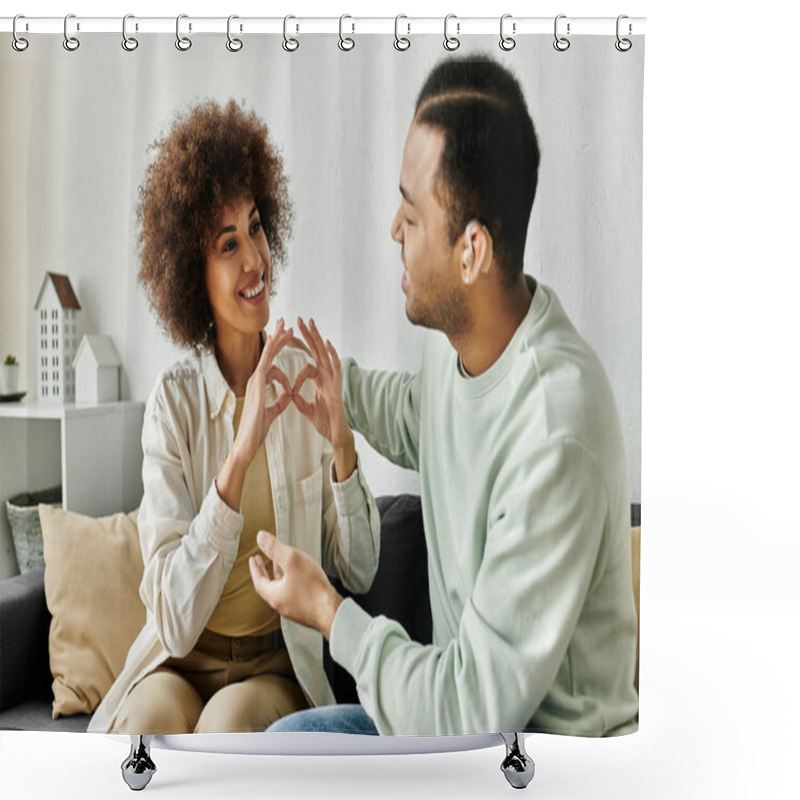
527	521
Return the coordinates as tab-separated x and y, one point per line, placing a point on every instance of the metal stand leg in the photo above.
138	768
518	766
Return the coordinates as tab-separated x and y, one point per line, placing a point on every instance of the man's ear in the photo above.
478	253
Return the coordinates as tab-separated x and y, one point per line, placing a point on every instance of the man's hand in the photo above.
300	590
326	412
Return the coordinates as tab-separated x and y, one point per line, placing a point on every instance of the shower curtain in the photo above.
74	146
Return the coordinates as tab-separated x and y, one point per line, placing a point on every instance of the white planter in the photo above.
9	378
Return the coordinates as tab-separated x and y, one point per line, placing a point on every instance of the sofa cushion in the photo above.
400	588
24	620
93	568
36	714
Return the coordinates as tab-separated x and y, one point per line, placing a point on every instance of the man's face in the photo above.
430	282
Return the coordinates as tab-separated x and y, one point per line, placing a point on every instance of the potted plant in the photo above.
9	375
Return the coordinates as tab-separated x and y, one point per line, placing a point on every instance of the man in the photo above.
512	426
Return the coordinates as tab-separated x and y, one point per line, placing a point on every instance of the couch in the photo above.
400	591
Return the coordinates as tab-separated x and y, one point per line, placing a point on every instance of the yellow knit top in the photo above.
240	611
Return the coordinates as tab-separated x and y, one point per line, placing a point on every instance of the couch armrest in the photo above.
24	629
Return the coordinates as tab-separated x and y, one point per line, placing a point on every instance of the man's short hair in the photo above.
489	165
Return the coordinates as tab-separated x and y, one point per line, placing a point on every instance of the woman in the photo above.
226	450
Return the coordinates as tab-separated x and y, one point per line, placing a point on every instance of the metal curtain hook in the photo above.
346	42
17	42
129	43
71	43
623	45
561	43
181	42
289	43
401	42
233	44
507	42
451	42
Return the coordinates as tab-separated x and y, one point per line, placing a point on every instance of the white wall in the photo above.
75	131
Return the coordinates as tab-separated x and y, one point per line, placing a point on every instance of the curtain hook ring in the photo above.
623	44
183	43
561	43
401	42
346	42
129	43
451	42
17	42
71	43
290	44
233	44
507	42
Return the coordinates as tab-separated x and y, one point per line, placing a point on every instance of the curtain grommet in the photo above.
183	43
451	43
623	44
561	43
129	43
346	43
289	44
507	43
233	44
18	42
401	43
71	43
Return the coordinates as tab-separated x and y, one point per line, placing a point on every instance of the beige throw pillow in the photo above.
93	568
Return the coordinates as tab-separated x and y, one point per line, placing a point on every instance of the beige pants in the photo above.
206	694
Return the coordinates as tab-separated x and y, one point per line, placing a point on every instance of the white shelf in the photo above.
93	451
34	409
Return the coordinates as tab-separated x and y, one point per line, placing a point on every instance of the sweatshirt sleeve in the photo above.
351	527
543	538
187	555
384	407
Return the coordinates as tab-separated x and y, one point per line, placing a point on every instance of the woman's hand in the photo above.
256	415
326	412
299	590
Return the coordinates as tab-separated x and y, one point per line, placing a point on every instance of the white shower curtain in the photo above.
73	149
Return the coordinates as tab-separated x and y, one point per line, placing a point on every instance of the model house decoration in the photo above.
57	308
96	367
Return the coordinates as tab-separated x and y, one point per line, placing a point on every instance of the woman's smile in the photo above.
256	292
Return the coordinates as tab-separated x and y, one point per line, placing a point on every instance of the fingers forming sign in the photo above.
257	415
326	412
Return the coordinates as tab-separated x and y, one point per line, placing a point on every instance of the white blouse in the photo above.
190	537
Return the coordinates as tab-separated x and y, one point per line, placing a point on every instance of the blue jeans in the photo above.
327	719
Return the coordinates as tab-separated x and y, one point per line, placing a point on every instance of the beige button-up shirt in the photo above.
190	537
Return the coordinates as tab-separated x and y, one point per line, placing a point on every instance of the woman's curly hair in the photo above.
210	157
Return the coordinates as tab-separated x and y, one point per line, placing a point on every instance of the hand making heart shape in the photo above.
257	416
326	412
